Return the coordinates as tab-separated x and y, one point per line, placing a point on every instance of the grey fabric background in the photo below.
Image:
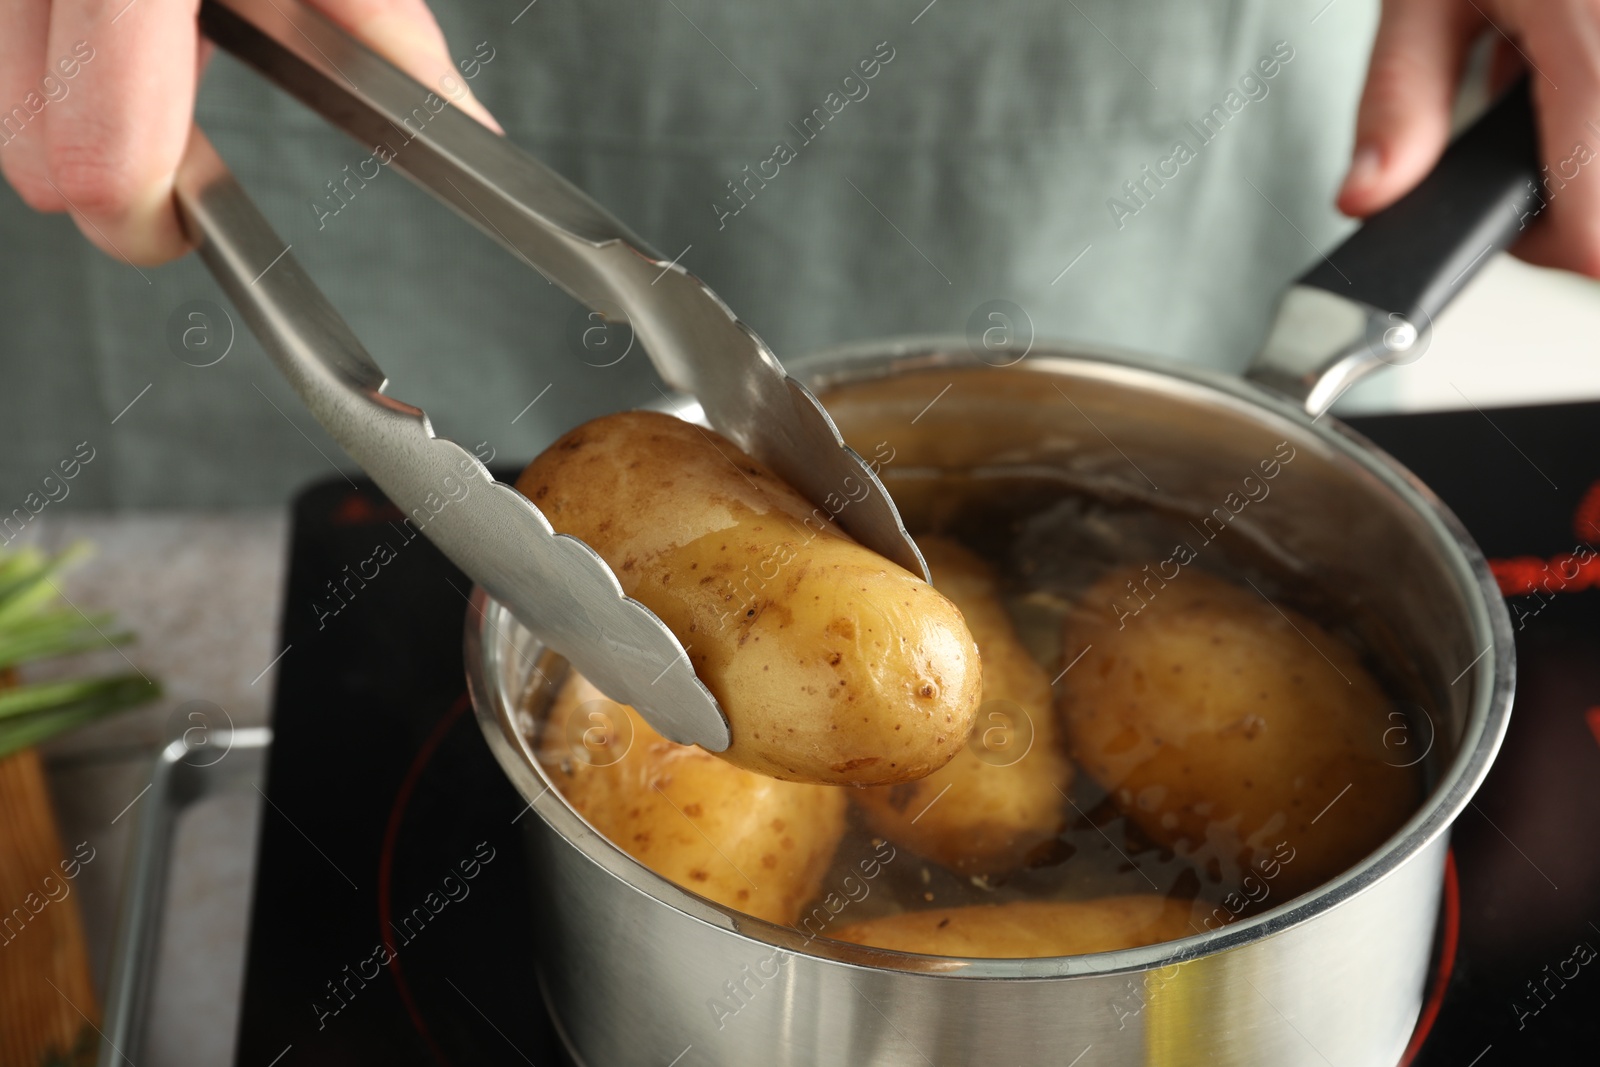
988	148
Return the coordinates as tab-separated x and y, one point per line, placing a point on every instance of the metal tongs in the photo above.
555	585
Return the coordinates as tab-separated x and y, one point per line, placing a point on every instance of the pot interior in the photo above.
1306	512
1338	530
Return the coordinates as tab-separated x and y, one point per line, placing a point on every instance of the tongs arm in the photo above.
527	207
696	343
556	585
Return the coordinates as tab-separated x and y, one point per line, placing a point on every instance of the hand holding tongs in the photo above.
556	586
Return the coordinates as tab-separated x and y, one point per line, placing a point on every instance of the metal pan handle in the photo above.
182	775
1371	302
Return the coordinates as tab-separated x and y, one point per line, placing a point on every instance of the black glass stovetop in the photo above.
391	922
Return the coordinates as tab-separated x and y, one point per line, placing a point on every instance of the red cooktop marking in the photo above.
1565	572
386	867
1586	519
1451	938
356	509
1593	715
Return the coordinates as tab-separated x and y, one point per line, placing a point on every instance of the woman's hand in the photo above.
97	98
1405	109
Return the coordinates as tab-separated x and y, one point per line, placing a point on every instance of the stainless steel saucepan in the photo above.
638	971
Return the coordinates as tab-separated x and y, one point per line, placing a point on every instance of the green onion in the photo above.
99	699
57	634
34	626
33	586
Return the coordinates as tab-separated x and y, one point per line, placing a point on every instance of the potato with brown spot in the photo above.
742	839
1003	795
832	663
1028	928
1224	726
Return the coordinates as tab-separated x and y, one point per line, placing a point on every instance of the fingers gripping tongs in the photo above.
556	586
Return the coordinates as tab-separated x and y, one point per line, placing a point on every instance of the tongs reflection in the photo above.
556	586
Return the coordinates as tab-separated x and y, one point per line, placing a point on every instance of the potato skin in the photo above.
742	839
1029	928
833	664
989	807
1223	728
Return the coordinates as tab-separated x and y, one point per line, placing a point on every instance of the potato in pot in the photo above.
1232	730
832	663
742	839
1002	796
1029	928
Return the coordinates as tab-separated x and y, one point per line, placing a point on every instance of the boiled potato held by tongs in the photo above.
833	664
1003	795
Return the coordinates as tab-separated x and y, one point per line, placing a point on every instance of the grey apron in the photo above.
1140	174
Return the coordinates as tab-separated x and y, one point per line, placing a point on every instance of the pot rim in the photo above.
1493	677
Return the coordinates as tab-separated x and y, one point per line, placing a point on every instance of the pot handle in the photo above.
1372	301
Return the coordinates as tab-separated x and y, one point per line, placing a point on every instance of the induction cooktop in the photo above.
391	921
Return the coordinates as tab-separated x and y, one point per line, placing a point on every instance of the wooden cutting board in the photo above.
48	1010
